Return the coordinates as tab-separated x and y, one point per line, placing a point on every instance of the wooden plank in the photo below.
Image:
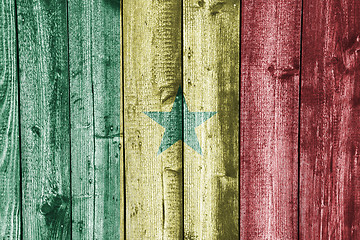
106	46
270	53
44	114
9	127
330	140
122	142
211	84
94	42
82	119
152	76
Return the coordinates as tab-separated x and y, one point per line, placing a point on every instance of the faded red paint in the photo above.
270	56
330	126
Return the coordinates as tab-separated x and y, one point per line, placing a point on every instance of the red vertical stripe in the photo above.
270	56
330	140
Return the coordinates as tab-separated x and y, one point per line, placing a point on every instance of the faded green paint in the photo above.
95	92
174	123
44	119
9	127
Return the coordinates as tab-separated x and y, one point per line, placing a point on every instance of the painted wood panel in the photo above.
188	135
121	130
106	46
270	55
10	197
44	114
81	59
152	76
95	76
211	84
330	141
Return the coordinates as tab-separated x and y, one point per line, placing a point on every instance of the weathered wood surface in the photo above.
121	130
270	53
330	140
82	118
44	114
10	197
80	160
152	76
211	84
94	51
107	119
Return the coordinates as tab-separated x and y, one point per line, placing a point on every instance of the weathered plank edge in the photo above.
13	220
122	134
69	97
299	120
19	118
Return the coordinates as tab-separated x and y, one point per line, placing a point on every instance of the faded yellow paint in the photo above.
152	75
211	83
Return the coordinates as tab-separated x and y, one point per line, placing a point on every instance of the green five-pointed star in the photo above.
180	124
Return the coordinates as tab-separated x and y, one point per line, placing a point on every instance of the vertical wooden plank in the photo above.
82	118
330	140
106	87
94	41
44	114
95	89
269	118
152	76
9	126
211	84
122	142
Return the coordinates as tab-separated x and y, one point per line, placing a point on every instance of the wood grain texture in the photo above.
152	76
107	94
94	41
44	114
270	53
211	84
9	126
82	118
330	140
121	130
